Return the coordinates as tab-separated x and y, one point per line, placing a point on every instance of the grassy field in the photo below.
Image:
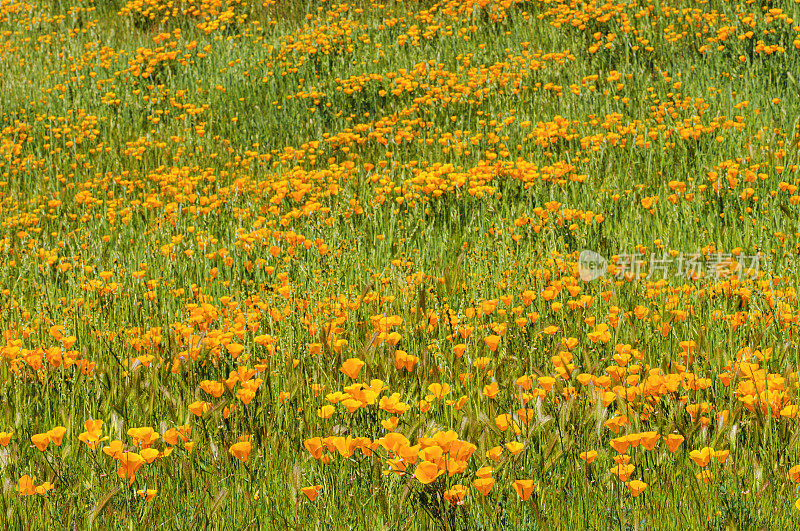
470	264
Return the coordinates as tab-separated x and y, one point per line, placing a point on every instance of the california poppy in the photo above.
426	472
130	462
674	441
57	434
620	444
623	472
148	494
351	367
41	441
25	486
484	485
456	494
241	450
325	411
515	447
649	439
492	342
494	453
524	488
92	434
588	457
149	454
44	488
636	487
702	457
311	492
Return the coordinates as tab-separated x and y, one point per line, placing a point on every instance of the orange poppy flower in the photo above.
547	383
41	441
148	494
351	367
620	444
483	485
649	439
150	454
674	441
44	488
311	492
129	464
492	342
390	424
234	349
515	447
114	449
491	390
702	457
25	486
92	434
427	472
524	488
241	450
636	487
199	408
623	472
456	494
588	456
494	453
245	395
57	434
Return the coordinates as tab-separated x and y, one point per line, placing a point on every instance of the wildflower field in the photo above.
466	264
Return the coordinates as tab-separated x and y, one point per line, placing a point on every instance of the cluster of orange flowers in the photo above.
212	15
